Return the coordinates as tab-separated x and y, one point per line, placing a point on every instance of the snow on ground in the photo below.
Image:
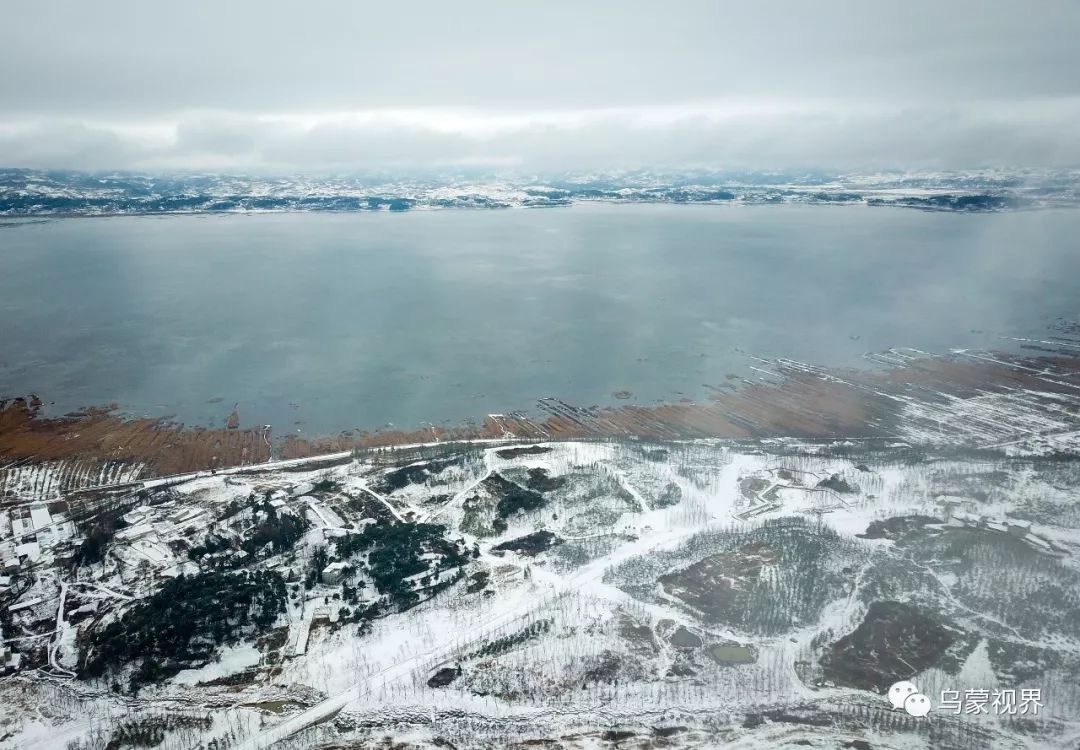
233	660
51	480
608	503
1023	422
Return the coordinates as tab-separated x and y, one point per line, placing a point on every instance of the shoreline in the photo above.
983	399
873	202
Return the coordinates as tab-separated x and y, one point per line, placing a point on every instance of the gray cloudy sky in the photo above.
334	86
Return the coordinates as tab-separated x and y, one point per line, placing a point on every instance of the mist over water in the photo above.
323	323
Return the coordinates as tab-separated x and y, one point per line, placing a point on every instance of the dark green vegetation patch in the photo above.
540	481
273	533
669	496
508	643
394	553
530	544
184	623
511	497
444	677
837	483
528	450
418	473
896	527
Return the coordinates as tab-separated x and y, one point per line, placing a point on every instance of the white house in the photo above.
40	516
334	572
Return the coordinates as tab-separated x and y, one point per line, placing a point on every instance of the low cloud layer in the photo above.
280	85
844	136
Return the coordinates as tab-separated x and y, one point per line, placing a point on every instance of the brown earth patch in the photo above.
712	585
103	435
895	641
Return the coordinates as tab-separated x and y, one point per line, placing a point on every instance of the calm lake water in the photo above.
326	322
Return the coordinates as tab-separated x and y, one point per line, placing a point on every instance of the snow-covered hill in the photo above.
59	193
590	594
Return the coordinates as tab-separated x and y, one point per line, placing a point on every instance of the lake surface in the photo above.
327	322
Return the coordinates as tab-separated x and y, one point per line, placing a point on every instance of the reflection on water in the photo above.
332	322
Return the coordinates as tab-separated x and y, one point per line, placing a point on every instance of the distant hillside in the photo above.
65	193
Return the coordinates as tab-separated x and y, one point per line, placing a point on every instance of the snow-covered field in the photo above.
701	593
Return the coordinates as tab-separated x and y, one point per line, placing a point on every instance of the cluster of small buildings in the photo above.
151	540
151	534
320	516
27	533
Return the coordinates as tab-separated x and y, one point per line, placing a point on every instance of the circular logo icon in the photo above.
900	691
917	704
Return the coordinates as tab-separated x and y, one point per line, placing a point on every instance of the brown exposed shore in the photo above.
797	401
788	400
100	434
